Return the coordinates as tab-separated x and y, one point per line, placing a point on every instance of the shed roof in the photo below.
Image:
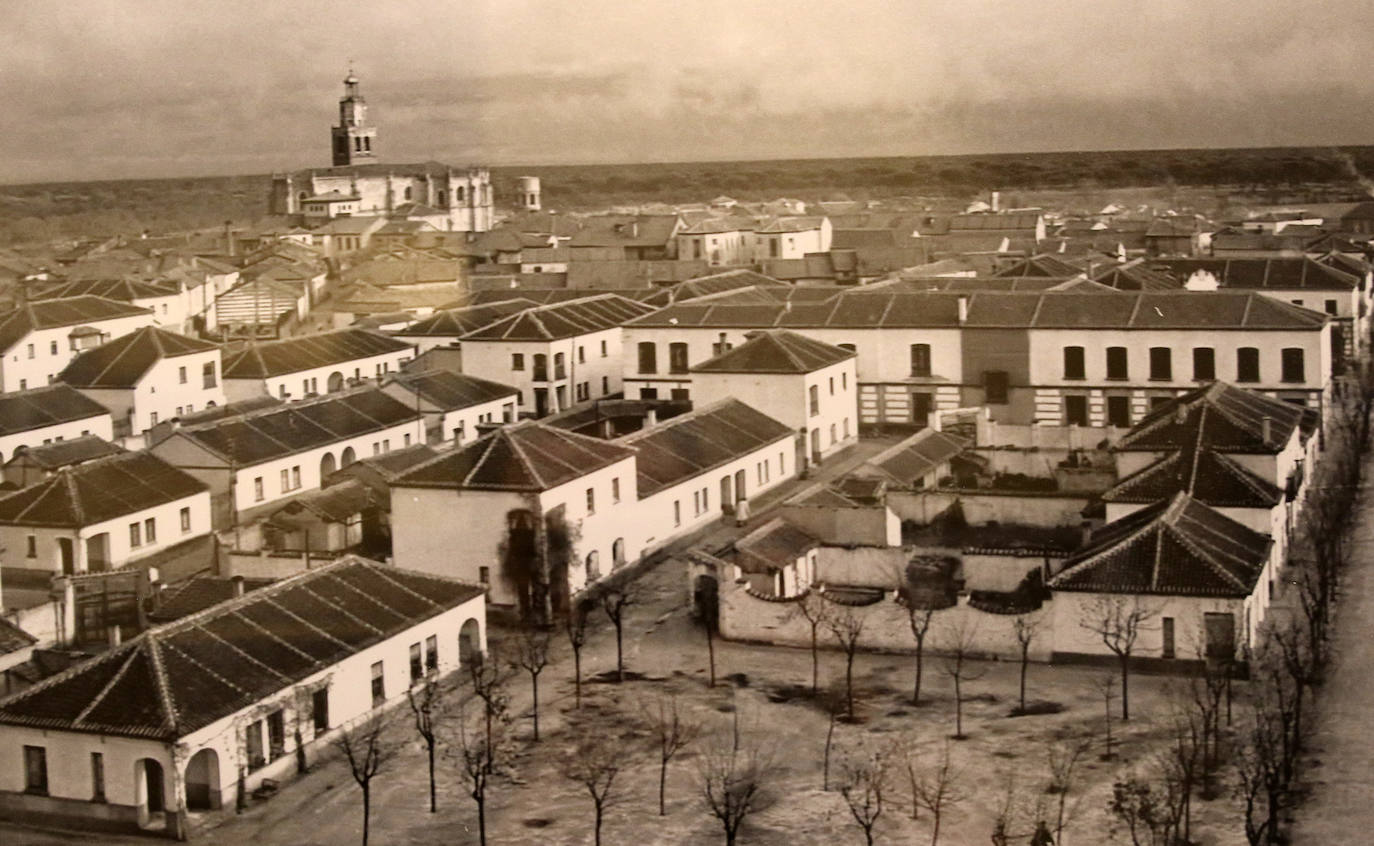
1204	474
917	456
1263	273
460	321
771	547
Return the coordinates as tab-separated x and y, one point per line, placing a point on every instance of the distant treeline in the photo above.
41	212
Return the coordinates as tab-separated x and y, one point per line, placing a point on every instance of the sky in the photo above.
111	89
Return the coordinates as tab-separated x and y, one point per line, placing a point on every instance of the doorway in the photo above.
66	553
739	486
727	498
202	781
148	783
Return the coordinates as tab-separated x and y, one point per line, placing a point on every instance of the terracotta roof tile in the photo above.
527	456
122	362
98	490
776	351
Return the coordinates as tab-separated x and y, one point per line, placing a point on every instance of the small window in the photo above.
1119	411
1204	363
581	355
285	480
181	375
417	666
920	359
648	357
276	735
1076	410
605	385
484	575
378	685
30	347
814	399
257	489
185	520
135	535
1116	363
36	770
150	530
31	546
1161	363
677	513
844	381
319	710
1331	307
97	777
996	386
615	490
432	654
1247	364
252	744
677	357
52	348
604	353
1073	363
517	361
832	386
591	501
296	476
648	393
1293	364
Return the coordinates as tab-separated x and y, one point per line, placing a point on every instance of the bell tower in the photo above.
354	141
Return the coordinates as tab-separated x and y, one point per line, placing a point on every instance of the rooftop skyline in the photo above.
149	88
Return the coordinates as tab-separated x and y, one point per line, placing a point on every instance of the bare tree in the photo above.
489	685
864	786
735	782
595	761
1259	764
1119	621
1024	627
532	656
1138	806
939	789
833	701
710	621
919	620
427	708
473	752
1105	685
1178	767
368	751
814	609
957	663
672	731
1061	762
575	625
615	601
847	626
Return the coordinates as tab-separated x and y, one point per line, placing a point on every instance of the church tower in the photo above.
354	140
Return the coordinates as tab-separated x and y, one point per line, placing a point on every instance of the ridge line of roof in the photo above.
105	690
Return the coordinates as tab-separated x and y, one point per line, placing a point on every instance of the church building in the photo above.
359	185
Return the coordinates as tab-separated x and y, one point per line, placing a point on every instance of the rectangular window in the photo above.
97	776
920	359
52	348
276	735
648	393
677	513
996	386
604	353
615	490
844	381
605	385
648	357
252	745
378	685
1119	411
1116	363
581	355
677	357
1073	363
1161	363
319	710
484	575
432	654
135	535
517	361
181	375
1247	364
782	463
152	418
150	530
295	477
386	444
30	350
1204	363
705	499
1166	637
832	386
1076	410
285	480
207	375
1331	307
814	395
1292	364
257	489
832	434
591	500
31	546
417	666
36	770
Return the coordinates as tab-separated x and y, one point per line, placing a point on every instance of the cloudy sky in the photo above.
94	89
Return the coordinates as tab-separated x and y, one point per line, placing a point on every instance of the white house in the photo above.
555	355
792	238
172	723
720	241
148	375
37	339
33	463
444	328
254	459
49	414
163	297
806	384
453	404
102	515
309	365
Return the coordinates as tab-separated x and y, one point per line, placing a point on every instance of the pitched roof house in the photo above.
307	365
37	339
45	415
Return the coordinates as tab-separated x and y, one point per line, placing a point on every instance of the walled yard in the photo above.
768	690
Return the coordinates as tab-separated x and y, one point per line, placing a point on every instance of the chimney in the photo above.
996	201
237	582
1266	428
634	229
963	310
650	418
1086	528
1181	414
114	635
229	238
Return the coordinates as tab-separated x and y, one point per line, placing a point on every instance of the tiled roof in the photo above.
299	426
994	222
625	231
526	456
69	311
800	223
460	321
1263	273
1219	417
692	444
197	594
1176	547
772	546
913	458
1204	474
122	362
1041	265
13	638
290	355
1172	227
122	289
334	504
71	451
99	490
1053	310
451	391
22	411
174	679
564	320
1135	277
776	351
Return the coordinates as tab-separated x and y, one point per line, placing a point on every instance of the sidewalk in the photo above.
1340	758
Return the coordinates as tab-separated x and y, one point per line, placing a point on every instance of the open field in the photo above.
48	210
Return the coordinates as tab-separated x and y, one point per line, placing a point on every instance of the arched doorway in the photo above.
348	457
202	781
335	382
326	466
469	643
149	789
593	566
618	554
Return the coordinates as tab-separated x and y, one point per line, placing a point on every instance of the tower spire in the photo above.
353	140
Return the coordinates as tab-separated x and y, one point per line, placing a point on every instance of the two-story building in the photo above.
454	404
38	339
310	365
556	355
444	328
254	459
102	515
792	237
722	242
148	375
49	414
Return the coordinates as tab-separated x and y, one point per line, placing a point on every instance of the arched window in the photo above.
618	553
593	566
326	465
348	457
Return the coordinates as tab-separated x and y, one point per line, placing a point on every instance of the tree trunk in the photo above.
597	838
619	654
662	783
534	712
849	684
577	678
1024	659
487	765
482	822
916	690
958	710
367	810
711	653
935	831
1125	696
433	794
815	663
829	735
